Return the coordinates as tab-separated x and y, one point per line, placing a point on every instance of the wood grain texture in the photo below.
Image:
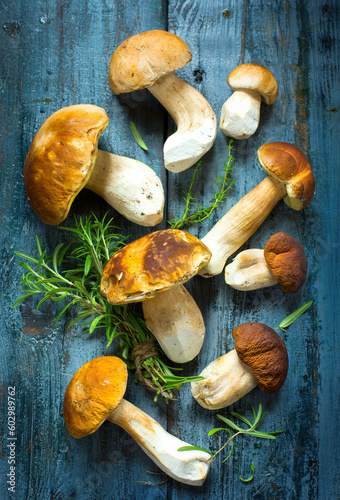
56	54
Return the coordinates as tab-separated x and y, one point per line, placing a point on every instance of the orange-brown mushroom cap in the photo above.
287	163
260	348
142	59
254	77
94	392
287	260
154	263
61	159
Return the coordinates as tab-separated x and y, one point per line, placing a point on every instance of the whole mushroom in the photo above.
64	158
95	394
290	177
259	359
283	261
147	60
240	114
153	270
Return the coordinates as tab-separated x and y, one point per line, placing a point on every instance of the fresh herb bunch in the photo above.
251	431
73	274
224	182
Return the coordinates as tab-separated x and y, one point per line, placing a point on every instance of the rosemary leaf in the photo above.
294	316
252	475
191	448
138	137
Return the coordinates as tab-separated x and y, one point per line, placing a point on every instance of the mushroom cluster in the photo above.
64	158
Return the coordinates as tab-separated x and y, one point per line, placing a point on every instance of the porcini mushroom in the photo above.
259	358
95	394
283	261
152	264
240	114
64	158
290	177
147	60
177	322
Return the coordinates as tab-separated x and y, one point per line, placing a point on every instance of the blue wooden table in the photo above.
55	54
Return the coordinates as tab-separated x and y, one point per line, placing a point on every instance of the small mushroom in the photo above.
64	158
240	114
177	322
290	177
95	394
147	60
259	358
283	261
154	263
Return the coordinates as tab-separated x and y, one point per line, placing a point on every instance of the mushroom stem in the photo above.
249	271
240	223
189	467
195	120
240	114
226	380
177	323
129	186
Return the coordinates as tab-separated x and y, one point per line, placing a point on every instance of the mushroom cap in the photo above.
287	163
154	263
94	391
142	59
260	348
61	159
254	77
287	260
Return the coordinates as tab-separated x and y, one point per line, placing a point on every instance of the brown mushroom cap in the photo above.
94	391
254	77
287	163
154	263
61	159
287	260
142	59
260	348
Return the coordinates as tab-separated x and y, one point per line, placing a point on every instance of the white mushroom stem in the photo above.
238	225
240	114
226	380
190	467
249	271
177	323
195	120
129	186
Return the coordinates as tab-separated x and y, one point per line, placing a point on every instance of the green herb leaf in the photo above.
251	477
138	137
294	316
192	448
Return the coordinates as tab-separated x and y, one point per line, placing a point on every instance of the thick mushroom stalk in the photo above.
240	114
189	468
177	323
147	60
249	271
226	380
95	394
64	158
195	120
290	177
259	358
129	186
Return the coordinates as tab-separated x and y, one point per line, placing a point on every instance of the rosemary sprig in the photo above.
224	182
92	243
285	323
250	431
138	137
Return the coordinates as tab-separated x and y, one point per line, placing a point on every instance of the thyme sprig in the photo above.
72	274
250	431
198	214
